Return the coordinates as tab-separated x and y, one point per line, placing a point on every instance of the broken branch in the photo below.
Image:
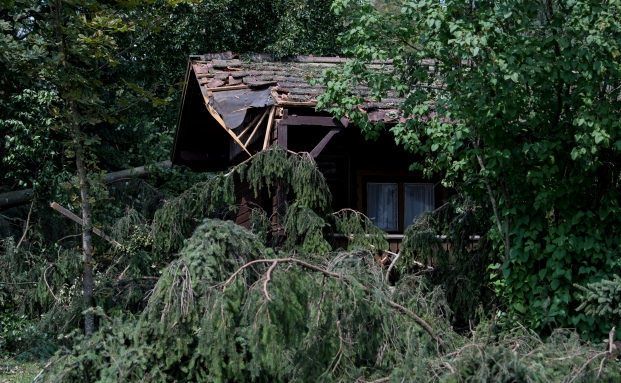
69	214
268	278
26	227
421	322
280	260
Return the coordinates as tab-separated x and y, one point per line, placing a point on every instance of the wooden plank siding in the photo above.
244	206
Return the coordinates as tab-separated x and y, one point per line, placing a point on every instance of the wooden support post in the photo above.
324	141
69	214
282	134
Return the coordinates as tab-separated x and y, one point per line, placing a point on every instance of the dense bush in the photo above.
515	105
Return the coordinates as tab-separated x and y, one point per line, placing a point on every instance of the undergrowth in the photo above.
230	309
190	296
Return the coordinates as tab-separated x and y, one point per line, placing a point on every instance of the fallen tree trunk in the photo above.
15	198
20	197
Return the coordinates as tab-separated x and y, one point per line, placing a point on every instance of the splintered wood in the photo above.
268	129
217	117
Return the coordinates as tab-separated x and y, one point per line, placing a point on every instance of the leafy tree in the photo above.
29	148
82	37
517	104
95	85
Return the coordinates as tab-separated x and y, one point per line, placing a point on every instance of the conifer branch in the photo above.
274	262
268	277
421	322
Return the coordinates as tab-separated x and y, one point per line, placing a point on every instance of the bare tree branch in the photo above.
281	260
26	227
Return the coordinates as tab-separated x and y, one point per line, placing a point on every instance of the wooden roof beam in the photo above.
220	121
324	142
315	121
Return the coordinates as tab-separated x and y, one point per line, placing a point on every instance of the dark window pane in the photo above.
419	199
383	204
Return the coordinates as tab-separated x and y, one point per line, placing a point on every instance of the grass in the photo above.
12	371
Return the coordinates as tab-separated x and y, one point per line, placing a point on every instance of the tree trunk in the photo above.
87	229
78	144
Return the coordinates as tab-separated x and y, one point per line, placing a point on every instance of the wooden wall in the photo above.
348	161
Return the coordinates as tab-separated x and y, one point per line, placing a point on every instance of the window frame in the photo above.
397	203
400	182
433	194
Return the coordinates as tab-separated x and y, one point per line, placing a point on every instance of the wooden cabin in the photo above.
233	108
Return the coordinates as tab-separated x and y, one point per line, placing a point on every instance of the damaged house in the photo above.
233	108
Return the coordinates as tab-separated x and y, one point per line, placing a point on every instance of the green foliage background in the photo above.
517	104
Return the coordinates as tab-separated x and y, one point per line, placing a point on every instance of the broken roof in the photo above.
292	82
226	97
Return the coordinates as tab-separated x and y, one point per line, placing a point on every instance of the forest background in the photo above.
521	117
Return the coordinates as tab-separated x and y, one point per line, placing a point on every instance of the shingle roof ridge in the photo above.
267	57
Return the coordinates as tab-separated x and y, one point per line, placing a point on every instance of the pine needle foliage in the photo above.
304	230
178	217
359	230
216	249
260	224
519	355
448	240
126	225
230	310
602	300
301	325
294	173
273	171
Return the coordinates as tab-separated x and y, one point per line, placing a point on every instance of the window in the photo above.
383	205
419	199
394	206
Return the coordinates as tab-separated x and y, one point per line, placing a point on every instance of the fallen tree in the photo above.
230	305
20	197
230	309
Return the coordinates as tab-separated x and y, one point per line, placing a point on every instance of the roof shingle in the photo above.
291	82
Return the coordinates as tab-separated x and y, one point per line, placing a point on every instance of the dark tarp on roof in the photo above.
232	105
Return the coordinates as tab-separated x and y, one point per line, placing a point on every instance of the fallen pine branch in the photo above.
274	262
280	260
